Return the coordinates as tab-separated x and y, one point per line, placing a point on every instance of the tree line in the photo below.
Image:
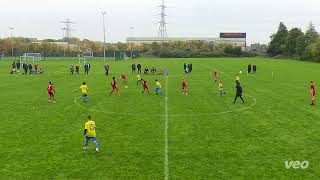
52	48
59	48
295	44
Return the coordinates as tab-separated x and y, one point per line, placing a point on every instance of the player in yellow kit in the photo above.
84	90
221	91
90	133
237	78
138	79
158	87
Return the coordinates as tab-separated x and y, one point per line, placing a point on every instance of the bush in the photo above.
235	51
214	54
248	54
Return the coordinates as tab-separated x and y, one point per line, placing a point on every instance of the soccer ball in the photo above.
126	87
240	72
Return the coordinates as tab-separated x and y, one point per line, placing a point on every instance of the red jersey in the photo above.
215	75
113	83
50	88
313	90
145	83
184	84
123	76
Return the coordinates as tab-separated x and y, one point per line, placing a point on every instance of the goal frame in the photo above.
87	54
34	56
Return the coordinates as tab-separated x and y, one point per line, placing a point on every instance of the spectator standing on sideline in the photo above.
139	68
249	68
254	69
133	68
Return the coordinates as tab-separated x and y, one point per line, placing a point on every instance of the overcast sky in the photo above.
186	18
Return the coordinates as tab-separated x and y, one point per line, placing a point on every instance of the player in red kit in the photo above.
51	92
184	87
124	78
114	86
216	76
313	93
145	86
36	67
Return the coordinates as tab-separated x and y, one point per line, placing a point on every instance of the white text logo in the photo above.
296	164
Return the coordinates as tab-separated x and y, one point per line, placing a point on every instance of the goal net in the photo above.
125	56
84	57
87	54
30	57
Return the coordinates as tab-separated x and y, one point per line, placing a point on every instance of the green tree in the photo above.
155	46
314	50
278	41
311	35
301	46
294	35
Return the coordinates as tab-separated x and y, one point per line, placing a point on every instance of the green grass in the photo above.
209	137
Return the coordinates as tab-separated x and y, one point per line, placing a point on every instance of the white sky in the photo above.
186	18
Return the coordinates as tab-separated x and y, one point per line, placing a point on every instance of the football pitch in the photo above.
171	136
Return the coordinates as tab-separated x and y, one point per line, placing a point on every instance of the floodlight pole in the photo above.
132	29
104	35
11	29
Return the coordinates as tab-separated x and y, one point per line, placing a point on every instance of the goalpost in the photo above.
85	56
125	56
30	56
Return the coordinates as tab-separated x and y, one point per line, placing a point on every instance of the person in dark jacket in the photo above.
25	68
30	68
86	69
71	69
133	68
238	93
13	69
107	68
190	67
139	68
146	71
77	69
254	69
18	64
249	68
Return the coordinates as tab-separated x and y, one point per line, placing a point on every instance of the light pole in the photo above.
11	31
63	34
132	34
104	35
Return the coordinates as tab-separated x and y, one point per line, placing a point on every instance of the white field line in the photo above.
166	158
75	100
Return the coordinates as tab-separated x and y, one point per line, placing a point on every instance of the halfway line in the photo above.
166	158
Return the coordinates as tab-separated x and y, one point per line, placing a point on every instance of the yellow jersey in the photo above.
237	78
84	89
220	86
158	84
138	77
90	126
